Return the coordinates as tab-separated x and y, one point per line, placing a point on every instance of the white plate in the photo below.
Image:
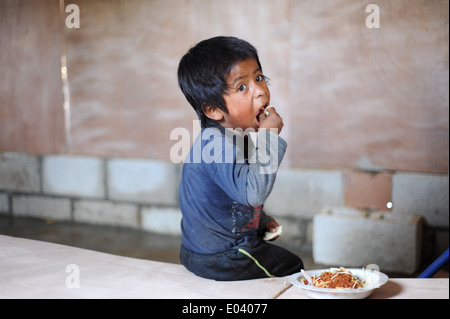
373	279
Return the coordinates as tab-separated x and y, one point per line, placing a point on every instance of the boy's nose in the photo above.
258	90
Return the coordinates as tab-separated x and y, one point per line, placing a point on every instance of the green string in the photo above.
256	262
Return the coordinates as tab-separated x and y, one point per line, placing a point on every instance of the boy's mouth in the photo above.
260	111
258	114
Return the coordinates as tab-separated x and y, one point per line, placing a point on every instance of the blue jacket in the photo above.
222	189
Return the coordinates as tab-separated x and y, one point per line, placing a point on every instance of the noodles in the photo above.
338	278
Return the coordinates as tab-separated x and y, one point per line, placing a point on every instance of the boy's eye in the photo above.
241	87
262	78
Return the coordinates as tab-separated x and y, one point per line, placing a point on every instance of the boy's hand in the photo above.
272	226
273	231
272	120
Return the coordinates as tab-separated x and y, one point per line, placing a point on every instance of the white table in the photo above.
395	288
36	269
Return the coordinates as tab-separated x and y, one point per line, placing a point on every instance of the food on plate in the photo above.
336	278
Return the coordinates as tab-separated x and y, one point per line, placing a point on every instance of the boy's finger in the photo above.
267	110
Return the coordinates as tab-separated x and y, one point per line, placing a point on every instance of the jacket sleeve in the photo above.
268	152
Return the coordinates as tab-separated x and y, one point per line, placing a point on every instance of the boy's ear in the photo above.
214	113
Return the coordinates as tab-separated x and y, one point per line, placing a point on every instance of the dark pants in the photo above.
263	261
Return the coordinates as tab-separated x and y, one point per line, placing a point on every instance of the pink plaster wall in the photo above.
351	97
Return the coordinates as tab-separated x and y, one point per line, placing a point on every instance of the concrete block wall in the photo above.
143	194
356	238
120	192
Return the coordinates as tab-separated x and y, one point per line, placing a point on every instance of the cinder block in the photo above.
19	172
4	204
367	190
292	228
296	231
73	176
41	207
351	238
301	193
143	181
161	220
106	213
422	194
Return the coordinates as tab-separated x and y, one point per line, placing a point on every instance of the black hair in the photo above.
203	71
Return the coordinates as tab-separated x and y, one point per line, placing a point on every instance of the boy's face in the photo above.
246	97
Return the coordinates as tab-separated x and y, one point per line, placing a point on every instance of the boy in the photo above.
225	182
